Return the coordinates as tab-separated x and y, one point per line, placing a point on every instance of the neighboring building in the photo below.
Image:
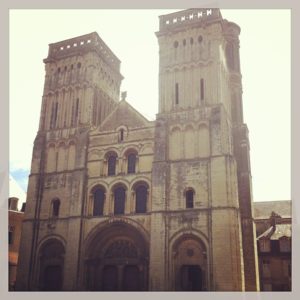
274	236
15	218
116	202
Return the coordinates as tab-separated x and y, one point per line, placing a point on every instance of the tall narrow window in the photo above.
99	196
121	135
141	199
53	115
189	199
55	207
202	89
176	94
131	162
11	235
119	203
111	163
76	111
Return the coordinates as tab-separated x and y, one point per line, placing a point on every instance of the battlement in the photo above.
187	17
80	44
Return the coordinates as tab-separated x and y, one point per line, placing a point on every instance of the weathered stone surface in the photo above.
191	168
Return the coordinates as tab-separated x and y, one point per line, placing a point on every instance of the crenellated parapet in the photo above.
188	18
80	45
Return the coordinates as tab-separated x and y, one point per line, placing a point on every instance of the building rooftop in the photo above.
263	210
80	44
187	17
277	231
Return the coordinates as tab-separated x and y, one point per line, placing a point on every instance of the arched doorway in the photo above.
190	264
117	259
51	266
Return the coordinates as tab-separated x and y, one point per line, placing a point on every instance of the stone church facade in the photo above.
116	202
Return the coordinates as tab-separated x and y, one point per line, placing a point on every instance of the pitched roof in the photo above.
263	210
276	232
124	114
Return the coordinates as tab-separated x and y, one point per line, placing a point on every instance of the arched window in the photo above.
141	199
119	200
121	135
111	164
189	198
131	162
55	207
99	197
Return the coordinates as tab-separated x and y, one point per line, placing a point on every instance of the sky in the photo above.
265	54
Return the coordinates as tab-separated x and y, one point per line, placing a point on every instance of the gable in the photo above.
124	114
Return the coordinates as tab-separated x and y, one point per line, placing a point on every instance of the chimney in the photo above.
275	219
13	203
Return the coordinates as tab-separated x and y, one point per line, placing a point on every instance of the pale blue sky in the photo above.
265	63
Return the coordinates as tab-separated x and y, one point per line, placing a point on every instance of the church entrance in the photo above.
51	264
191	278
53	278
131	278
110	278
189	264
118	260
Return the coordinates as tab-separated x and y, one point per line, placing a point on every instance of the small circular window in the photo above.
200	38
175	44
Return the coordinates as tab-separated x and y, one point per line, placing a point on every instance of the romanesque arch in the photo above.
51	265
189	263
117	258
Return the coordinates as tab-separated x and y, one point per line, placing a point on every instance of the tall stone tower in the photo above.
201	206
119	203
82	86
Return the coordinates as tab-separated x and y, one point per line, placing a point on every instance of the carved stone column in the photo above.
137	164
132	200
104	168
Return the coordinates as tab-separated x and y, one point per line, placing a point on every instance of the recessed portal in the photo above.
53	278
191	278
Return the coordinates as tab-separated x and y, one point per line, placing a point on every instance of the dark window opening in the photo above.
131	162
76	110
55	208
99	197
10	237
189	198
191	41
119	203
141	199
111	162
55	114
176	94
175	44
121	135
200	38
202	89
79	65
